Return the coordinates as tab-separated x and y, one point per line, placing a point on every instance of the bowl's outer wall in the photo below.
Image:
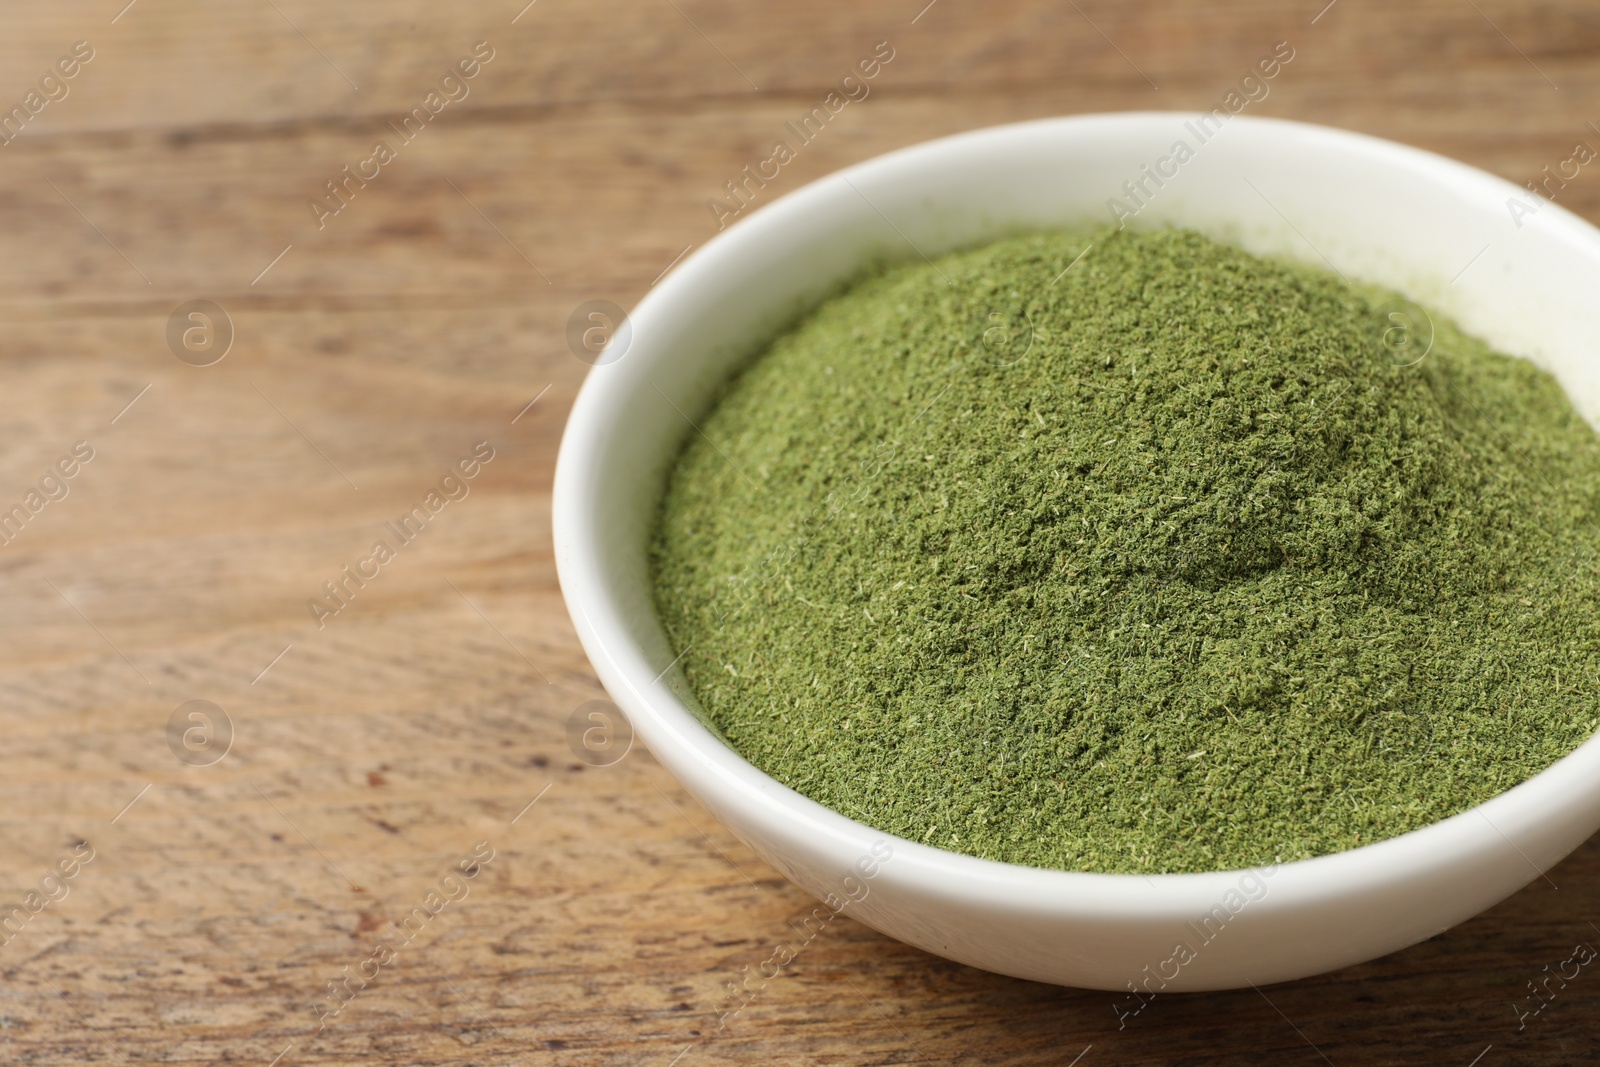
1371	209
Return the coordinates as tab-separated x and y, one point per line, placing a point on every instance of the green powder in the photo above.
1160	564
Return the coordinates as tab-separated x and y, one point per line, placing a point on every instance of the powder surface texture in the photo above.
1179	560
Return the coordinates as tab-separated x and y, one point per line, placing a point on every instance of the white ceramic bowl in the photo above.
1441	232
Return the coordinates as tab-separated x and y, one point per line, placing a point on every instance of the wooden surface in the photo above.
425	716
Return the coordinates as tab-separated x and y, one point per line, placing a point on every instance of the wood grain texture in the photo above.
425	716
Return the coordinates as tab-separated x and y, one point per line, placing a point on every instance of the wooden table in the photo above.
371	350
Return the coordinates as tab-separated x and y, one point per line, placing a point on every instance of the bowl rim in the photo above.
688	748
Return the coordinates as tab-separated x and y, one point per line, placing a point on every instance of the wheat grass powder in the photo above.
1162	557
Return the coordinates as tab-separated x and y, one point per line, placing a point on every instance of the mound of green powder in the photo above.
1164	563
